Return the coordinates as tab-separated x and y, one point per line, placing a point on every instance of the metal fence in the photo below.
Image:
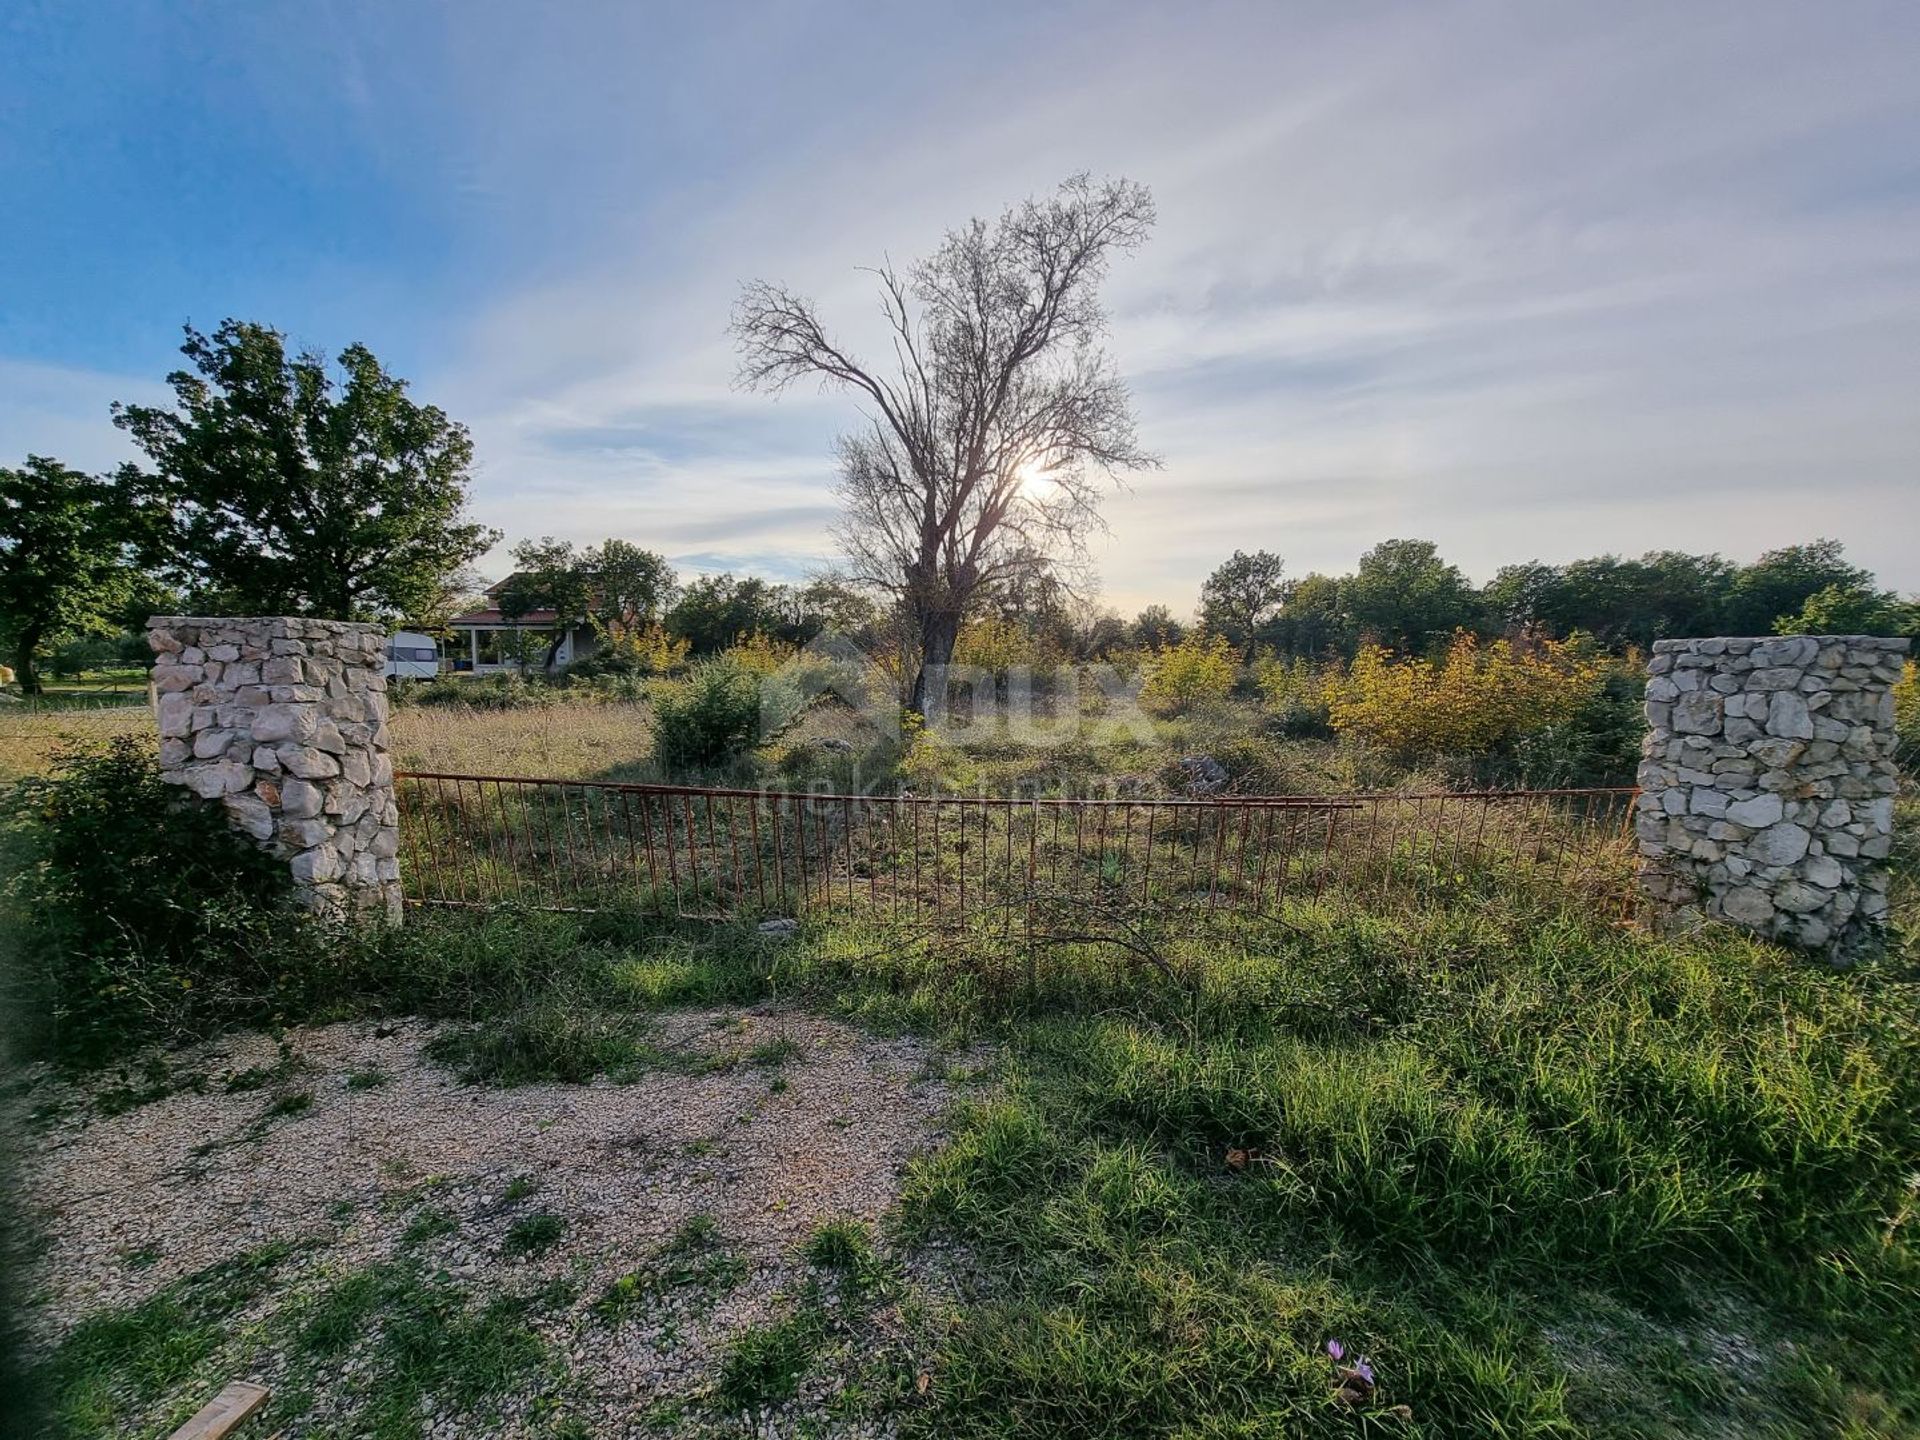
1023	864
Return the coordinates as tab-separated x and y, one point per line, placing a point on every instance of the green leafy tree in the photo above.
284	486
1156	627
1781	582
1313	619
1243	596
715	610
615	587
66	563
1407	597
1844	610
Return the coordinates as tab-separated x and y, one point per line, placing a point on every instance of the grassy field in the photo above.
1550	1177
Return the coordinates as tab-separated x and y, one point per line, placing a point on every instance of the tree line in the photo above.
1405	596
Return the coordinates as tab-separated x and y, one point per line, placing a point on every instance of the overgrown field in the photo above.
1549	1179
1547	1175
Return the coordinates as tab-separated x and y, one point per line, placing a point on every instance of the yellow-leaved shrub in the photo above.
1474	699
649	649
759	653
1200	668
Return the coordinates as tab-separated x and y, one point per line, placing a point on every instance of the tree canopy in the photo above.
66	559
282	485
1243	596
985	439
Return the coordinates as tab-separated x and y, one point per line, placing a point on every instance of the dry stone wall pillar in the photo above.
1767	785
283	722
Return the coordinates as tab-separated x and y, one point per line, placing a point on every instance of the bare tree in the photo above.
986	441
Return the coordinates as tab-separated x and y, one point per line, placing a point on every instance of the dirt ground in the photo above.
766	1124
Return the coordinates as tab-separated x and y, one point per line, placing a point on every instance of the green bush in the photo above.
720	711
139	913
504	690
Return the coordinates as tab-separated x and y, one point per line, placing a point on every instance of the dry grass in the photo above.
568	742
28	741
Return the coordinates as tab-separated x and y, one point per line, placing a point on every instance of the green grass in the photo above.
127	1360
1553	1179
764	1363
534	1234
697	1260
415	1338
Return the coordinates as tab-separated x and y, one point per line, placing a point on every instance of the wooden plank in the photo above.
225	1413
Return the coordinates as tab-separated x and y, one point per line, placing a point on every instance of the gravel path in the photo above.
129	1203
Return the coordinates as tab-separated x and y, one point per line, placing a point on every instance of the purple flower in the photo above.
1364	1369
1336	1350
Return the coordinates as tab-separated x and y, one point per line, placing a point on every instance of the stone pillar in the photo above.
1767	784
284	723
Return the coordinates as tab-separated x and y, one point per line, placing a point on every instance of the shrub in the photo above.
758	653
645	650
720	711
505	690
1200	668
146	914
1296	694
1472	701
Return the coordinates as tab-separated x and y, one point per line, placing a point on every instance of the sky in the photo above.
1531	281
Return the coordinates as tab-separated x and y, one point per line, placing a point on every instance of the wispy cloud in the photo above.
1525	280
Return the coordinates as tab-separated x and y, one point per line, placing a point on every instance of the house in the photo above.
485	641
411	656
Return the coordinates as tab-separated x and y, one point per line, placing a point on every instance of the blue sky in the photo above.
1530	281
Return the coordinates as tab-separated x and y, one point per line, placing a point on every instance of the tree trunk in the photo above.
23	671
939	631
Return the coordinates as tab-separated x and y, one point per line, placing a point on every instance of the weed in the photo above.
775	1053
534	1234
293	1102
763	1364
367	1079
842	1245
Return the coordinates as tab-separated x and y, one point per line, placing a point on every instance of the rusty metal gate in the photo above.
487	841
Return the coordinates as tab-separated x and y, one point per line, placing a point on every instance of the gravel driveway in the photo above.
771	1122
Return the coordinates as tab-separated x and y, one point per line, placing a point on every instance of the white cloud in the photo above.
1525	280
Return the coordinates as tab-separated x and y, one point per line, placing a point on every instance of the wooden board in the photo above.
225	1413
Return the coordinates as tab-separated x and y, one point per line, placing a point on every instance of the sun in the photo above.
1034	477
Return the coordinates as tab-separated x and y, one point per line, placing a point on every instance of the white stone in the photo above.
1781	844
1747	906
1788	717
1757	813
1824	871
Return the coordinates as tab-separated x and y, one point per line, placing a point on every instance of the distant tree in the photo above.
714	611
631	587
1243	596
832	604
1156	627
615	587
1781	582
1519	596
984	445
1313	619
1620	602
1405	596
66	560
1840	610
283	488
1097	633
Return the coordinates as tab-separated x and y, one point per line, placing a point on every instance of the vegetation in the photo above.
980	459
1474	700
66	562
142	915
278	488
